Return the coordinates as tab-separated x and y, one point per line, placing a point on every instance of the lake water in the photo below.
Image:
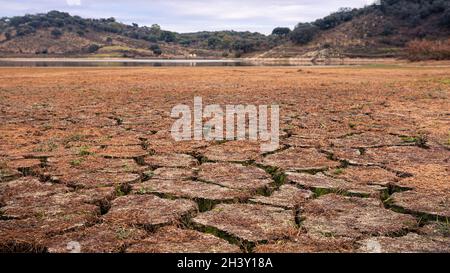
72	62
115	63
80	62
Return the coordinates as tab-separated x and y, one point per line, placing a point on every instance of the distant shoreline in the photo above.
269	62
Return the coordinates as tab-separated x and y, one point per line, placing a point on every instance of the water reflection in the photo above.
186	63
119	63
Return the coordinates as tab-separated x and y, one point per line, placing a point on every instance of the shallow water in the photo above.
86	62
54	62
114	63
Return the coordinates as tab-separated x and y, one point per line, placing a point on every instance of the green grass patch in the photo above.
77	162
445	81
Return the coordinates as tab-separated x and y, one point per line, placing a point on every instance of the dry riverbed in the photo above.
87	162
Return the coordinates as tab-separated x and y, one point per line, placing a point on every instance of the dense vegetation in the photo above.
407	13
62	22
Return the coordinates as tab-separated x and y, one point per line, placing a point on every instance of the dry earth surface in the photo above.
87	162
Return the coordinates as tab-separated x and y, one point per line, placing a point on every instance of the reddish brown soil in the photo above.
87	162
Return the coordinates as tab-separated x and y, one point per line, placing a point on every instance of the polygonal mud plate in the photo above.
247	222
235	176
120	166
148	211
171	160
288	196
29	189
352	156
97	239
26	166
22	236
423	203
398	158
190	189
297	159
395	157
369	175
426	178
163	143
322	184
8	174
100	197
305	243
307	141
172	174
58	212
98	179
339	216
175	240
122	140
368	140
411	243
64	165
233	151
123	152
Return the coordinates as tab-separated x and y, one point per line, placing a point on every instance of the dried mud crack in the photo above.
361	168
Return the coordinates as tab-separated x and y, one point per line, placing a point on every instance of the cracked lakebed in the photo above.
86	156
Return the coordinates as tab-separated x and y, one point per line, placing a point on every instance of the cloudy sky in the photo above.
190	15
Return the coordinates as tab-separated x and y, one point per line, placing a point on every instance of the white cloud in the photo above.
73	2
191	15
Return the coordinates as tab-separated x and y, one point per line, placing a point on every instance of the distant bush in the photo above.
56	33
151	38
185	42
155	49
167	36
281	31
388	29
93	48
25	30
336	18
428	50
243	46
445	19
303	33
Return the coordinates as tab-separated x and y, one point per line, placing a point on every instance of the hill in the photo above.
60	34
416	29
387	30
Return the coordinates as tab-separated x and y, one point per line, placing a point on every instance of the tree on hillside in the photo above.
155	49
93	48
56	33
167	36
445	19
303	33
281	31
214	42
336	18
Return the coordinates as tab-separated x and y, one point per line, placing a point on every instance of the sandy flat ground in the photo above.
86	156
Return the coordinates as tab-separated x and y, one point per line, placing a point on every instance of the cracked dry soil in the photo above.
86	156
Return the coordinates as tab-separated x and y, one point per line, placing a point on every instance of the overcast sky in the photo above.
190	15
